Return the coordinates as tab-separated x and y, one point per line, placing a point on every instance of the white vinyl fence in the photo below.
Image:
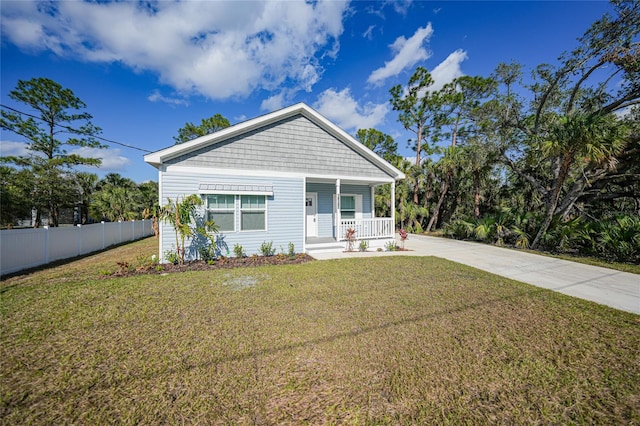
26	248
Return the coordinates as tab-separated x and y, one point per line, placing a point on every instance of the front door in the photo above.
311	206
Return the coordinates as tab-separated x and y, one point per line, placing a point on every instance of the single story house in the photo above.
290	176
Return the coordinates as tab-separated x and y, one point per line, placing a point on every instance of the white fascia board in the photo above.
176	169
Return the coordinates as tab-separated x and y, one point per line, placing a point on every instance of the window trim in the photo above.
355	206
359	214
227	210
265	210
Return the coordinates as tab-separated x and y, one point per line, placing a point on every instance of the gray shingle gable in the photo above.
293	144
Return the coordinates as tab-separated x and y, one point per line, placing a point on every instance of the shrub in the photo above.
403	237
391	246
350	236
172	256
292	250
266	248
364	245
238	251
459	229
207	253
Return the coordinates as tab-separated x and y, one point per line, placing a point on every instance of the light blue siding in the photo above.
285	210
325	207
326	192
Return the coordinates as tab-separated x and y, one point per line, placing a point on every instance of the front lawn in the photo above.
385	340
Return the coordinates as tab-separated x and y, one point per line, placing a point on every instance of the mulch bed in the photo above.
221	263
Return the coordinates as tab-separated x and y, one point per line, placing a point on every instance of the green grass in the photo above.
385	340
618	266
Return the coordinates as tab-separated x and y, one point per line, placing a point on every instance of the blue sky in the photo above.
144	69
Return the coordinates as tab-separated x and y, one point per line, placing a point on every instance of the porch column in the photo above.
393	208
373	201
338	218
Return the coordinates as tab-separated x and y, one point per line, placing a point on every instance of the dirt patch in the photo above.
243	281
222	263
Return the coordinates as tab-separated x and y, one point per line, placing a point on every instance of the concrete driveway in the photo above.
620	290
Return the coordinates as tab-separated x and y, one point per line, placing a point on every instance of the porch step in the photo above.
335	246
325	247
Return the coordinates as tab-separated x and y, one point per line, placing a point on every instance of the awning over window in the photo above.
236	189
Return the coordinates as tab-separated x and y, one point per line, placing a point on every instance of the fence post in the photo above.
102	224
133	229
143	228
119	231
79	239
46	243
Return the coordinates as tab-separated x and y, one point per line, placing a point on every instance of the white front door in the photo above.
311	206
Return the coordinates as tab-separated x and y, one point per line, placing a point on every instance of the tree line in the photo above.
45	180
550	163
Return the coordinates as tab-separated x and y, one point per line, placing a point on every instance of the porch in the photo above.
376	231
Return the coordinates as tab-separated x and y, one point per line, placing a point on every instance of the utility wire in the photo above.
71	130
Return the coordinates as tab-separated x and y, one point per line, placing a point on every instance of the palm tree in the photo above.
180	214
447	167
584	140
87	184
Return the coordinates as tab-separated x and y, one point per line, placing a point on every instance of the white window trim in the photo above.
266	215
207	209
358	199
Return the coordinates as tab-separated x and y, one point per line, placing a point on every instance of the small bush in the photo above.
292	250
266	248
238	251
350	236
207	253
459	229
363	246
172	256
391	246
403	237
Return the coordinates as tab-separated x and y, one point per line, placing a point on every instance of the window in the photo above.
221	209
253	211
347	206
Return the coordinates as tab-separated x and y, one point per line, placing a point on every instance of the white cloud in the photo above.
342	109
401	6
157	97
112	159
408	52
219	49
13	149
368	34
448	70
273	103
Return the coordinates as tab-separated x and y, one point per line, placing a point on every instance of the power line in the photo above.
71	130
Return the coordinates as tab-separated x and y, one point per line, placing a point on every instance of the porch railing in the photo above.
379	227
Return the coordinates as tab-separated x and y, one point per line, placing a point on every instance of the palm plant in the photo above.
459	229
180	214
594	140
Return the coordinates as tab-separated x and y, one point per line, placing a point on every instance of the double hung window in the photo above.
221	209
347	207
253	212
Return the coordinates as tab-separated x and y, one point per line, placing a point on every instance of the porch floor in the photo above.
329	244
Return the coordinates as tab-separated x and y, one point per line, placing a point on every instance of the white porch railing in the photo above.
379	227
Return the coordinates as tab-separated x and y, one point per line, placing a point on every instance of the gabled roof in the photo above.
158	158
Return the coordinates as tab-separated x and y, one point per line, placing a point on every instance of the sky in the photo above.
146	68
